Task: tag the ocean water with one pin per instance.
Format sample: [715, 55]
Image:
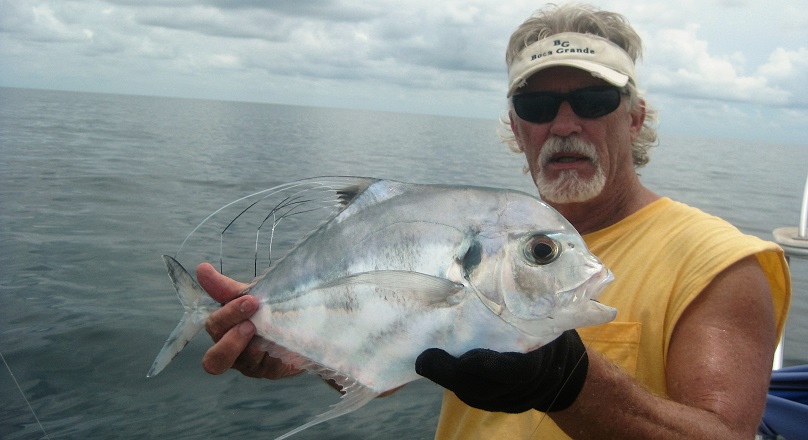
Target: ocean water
[94, 188]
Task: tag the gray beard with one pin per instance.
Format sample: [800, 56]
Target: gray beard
[569, 187]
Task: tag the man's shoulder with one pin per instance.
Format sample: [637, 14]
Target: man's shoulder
[679, 215]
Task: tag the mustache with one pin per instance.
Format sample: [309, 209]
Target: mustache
[557, 145]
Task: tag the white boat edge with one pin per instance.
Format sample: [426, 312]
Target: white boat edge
[794, 241]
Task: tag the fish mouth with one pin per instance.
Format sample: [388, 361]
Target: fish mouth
[597, 283]
[577, 307]
[590, 289]
[572, 308]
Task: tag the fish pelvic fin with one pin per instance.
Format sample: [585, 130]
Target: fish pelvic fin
[354, 394]
[198, 306]
[354, 398]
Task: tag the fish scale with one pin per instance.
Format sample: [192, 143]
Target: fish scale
[398, 268]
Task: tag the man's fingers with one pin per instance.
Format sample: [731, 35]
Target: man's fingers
[232, 332]
[224, 353]
[218, 286]
[221, 321]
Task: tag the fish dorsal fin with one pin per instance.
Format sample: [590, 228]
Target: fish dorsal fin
[348, 193]
[270, 222]
[355, 395]
[415, 286]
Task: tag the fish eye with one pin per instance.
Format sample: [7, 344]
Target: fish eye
[541, 249]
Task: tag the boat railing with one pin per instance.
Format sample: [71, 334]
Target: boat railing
[794, 241]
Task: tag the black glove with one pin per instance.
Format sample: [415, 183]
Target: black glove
[547, 379]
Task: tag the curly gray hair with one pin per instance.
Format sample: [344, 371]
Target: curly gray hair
[587, 19]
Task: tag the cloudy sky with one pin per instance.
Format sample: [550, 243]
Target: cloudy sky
[722, 68]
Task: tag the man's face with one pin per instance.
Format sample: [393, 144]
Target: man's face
[574, 159]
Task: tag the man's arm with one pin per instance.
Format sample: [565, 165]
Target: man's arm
[718, 370]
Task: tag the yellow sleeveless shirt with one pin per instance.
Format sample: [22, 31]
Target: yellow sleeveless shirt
[662, 257]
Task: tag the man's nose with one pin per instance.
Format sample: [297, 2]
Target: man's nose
[566, 121]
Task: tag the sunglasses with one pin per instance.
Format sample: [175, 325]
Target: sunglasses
[588, 103]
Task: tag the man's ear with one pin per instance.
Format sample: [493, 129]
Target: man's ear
[637, 119]
[515, 131]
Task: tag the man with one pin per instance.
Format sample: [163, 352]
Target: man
[700, 305]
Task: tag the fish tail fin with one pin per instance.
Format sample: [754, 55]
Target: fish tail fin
[352, 400]
[198, 306]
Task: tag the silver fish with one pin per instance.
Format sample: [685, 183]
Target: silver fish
[397, 268]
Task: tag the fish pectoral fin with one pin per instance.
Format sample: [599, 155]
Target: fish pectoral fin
[417, 286]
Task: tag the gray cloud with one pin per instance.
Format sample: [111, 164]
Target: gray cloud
[436, 57]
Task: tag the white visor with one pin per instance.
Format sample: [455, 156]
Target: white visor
[596, 55]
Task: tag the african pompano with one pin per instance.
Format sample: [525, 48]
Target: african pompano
[397, 268]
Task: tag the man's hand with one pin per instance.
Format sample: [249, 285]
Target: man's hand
[548, 378]
[233, 333]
